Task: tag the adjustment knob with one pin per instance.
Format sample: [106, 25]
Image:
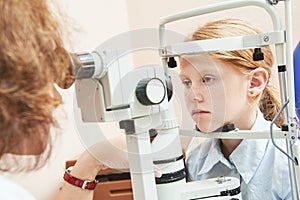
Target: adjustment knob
[150, 91]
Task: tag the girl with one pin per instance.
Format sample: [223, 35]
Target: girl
[230, 88]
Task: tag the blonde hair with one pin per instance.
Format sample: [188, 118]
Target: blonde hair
[269, 102]
[32, 59]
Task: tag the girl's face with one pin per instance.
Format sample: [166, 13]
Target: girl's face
[215, 93]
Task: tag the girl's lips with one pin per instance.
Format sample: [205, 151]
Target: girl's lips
[199, 111]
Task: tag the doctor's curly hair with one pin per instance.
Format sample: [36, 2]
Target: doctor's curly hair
[32, 59]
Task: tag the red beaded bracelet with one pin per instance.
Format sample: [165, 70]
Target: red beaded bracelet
[83, 184]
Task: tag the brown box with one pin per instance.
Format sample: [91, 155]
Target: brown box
[113, 185]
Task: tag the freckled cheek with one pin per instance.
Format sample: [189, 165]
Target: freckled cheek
[236, 99]
[188, 97]
[217, 99]
[188, 94]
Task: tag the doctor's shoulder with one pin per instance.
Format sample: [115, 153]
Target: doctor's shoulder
[10, 190]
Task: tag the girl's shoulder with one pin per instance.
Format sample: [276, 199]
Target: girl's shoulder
[201, 148]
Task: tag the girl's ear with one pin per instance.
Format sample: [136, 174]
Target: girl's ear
[257, 82]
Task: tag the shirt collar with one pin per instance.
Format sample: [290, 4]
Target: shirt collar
[248, 156]
[214, 155]
[250, 151]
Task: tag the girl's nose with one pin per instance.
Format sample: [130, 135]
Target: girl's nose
[197, 93]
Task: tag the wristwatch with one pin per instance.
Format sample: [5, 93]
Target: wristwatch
[83, 184]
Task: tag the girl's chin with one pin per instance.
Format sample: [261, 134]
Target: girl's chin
[207, 129]
[204, 129]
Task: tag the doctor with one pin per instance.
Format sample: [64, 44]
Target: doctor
[32, 60]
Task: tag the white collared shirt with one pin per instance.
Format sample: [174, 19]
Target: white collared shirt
[262, 169]
[11, 191]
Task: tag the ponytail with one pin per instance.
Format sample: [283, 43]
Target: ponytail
[270, 105]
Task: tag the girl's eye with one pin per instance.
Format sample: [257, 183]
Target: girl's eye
[207, 79]
[187, 83]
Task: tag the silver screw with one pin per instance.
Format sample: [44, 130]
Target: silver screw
[266, 38]
[221, 179]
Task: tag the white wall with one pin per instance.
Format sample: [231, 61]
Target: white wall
[145, 13]
[95, 21]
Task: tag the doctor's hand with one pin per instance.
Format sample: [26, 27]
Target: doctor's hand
[105, 154]
[157, 172]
